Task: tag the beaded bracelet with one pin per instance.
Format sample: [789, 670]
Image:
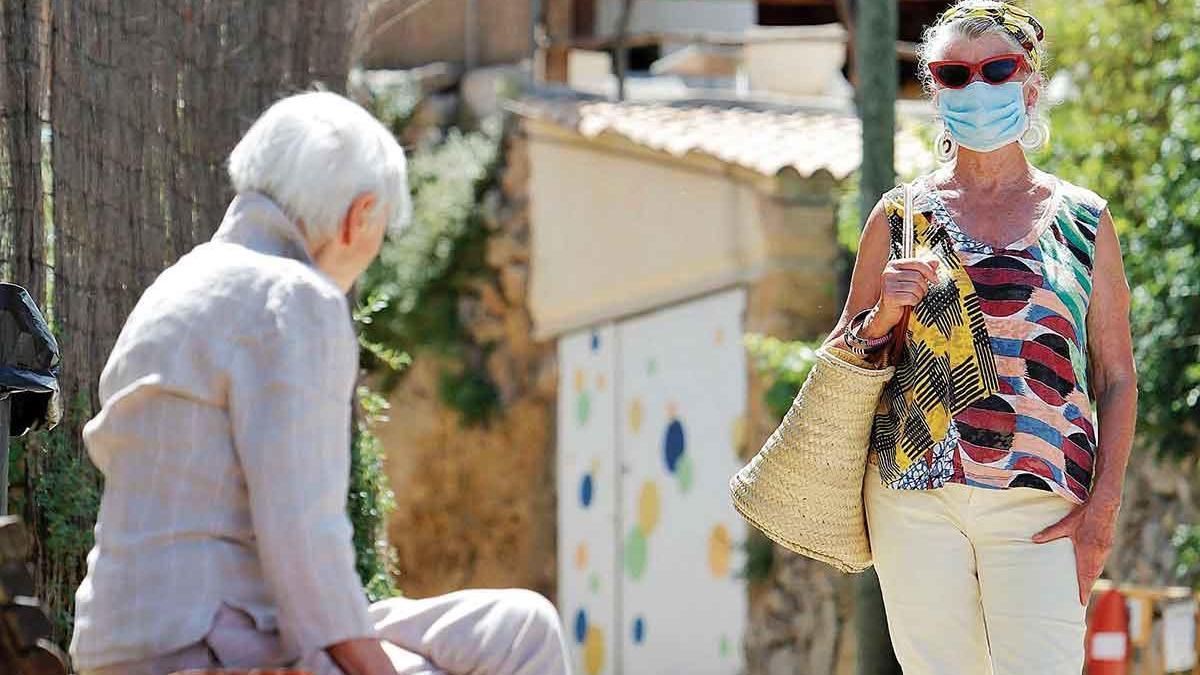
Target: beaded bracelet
[859, 345]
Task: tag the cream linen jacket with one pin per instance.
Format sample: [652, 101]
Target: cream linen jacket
[224, 440]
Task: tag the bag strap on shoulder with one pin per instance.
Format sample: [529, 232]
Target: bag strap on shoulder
[900, 331]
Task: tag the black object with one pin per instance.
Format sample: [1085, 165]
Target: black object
[29, 396]
[28, 363]
[25, 646]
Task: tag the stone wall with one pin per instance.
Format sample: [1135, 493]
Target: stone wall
[1159, 495]
[476, 504]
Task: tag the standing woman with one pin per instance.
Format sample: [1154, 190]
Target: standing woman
[998, 450]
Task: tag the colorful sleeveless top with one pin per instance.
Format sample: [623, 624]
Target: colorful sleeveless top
[991, 389]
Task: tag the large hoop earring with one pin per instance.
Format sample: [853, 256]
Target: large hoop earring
[1036, 135]
[945, 148]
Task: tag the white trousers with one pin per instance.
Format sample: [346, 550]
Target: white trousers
[966, 590]
[472, 632]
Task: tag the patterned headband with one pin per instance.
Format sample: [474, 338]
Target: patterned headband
[1018, 23]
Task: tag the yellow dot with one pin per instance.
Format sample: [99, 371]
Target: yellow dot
[719, 551]
[635, 414]
[600, 381]
[593, 651]
[579, 381]
[581, 555]
[720, 336]
[649, 507]
[739, 435]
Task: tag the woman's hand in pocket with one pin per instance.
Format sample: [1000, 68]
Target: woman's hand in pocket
[1091, 527]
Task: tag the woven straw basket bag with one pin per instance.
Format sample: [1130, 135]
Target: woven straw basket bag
[804, 487]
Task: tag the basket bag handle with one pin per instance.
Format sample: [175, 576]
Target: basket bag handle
[900, 331]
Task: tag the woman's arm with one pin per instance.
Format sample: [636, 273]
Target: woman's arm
[1111, 368]
[1114, 388]
[887, 285]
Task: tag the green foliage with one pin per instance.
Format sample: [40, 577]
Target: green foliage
[850, 218]
[393, 102]
[760, 557]
[1130, 130]
[409, 298]
[783, 365]
[1186, 541]
[370, 499]
[65, 496]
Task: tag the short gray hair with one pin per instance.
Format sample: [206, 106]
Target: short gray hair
[313, 153]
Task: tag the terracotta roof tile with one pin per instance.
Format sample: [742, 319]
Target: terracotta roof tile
[762, 140]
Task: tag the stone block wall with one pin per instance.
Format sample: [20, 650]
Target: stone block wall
[476, 504]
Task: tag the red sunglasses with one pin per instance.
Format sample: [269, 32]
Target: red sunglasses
[994, 70]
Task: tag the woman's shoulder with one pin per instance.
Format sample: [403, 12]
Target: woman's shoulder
[1080, 198]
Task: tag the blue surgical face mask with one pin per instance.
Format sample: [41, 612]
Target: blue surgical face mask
[983, 116]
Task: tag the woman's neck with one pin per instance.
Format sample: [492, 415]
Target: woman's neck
[993, 171]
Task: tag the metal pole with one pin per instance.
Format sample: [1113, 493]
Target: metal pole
[5, 416]
[535, 16]
[471, 36]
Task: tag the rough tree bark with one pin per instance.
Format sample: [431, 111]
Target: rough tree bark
[145, 100]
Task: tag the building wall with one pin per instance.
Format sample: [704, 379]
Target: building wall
[730, 16]
[437, 32]
[617, 232]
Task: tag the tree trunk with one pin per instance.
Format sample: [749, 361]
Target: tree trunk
[877, 25]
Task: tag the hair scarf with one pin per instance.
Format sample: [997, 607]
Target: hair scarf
[1018, 23]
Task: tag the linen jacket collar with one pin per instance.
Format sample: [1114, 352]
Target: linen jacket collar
[257, 222]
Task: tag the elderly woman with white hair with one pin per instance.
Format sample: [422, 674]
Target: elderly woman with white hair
[224, 440]
[992, 489]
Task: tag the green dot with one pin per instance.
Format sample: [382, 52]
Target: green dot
[686, 473]
[651, 366]
[594, 583]
[725, 648]
[635, 553]
[583, 407]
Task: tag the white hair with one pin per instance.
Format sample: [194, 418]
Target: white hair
[313, 153]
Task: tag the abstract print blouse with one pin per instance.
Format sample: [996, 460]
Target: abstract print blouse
[991, 390]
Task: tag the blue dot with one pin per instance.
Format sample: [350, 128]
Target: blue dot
[580, 626]
[595, 341]
[585, 490]
[639, 630]
[673, 445]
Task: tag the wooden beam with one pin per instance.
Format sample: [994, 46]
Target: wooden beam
[904, 49]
